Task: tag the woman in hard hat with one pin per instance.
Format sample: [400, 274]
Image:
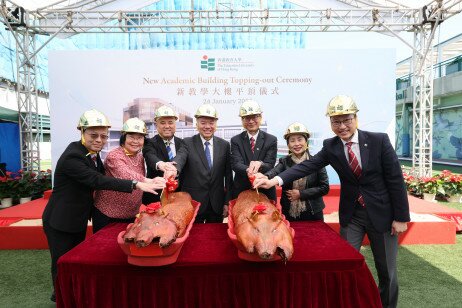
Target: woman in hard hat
[124, 162]
[301, 199]
[78, 173]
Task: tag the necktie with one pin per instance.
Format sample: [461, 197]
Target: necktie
[94, 159]
[355, 167]
[169, 150]
[207, 154]
[252, 143]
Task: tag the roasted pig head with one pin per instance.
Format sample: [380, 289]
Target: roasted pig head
[164, 222]
[260, 228]
[148, 227]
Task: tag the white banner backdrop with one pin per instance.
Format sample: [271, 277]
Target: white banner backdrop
[290, 85]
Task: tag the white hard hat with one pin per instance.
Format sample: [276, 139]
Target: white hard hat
[206, 110]
[164, 111]
[296, 128]
[93, 118]
[249, 107]
[134, 125]
[341, 104]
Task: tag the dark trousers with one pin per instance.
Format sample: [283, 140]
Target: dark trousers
[208, 215]
[59, 243]
[100, 220]
[384, 248]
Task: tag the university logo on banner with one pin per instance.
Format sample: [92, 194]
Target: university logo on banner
[208, 63]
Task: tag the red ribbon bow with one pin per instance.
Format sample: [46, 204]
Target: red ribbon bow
[150, 208]
[171, 184]
[259, 208]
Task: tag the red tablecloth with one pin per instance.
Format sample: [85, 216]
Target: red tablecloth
[324, 272]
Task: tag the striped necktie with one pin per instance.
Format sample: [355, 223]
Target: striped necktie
[169, 150]
[355, 167]
[252, 144]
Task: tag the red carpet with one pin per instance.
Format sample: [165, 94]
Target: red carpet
[29, 210]
[432, 223]
[28, 232]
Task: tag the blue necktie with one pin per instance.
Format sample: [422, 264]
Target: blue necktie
[169, 151]
[207, 154]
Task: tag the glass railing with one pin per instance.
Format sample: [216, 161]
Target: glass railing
[441, 69]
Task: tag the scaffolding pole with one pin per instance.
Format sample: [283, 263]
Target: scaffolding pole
[422, 111]
[363, 17]
[27, 100]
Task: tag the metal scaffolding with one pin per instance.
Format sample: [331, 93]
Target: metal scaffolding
[423, 92]
[390, 17]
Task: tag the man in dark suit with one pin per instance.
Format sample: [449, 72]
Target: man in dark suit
[252, 151]
[373, 197]
[160, 150]
[205, 165]
[79, 172]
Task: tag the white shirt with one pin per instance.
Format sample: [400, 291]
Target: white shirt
[354, 148]
[254, 136]
[172, 148]
[210, 146]
[172, 145]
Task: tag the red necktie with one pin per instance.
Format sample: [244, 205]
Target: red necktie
[355, 167]
[252, 143]
[94, 159]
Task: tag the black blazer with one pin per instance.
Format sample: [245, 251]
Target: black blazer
[75, 179]
[381, 183]
[266, 147]
[154, 151]
[204, 185]
[317, 185]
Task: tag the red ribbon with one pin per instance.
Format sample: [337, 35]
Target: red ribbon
[251, 178]
[171, 184]
[150, 208]
[259, 208]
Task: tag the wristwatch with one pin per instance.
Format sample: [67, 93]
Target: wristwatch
[134, 184]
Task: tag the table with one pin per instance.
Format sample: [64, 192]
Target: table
[325, 271]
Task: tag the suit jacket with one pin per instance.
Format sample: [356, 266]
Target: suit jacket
[204, 185]
[266, 147]
[155, 151]
[381, 182]
[75, 179]
[317, 185]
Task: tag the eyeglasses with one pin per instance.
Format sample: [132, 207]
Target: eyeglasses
[95, 136]
[346, 122]
[251, 117]
[135, 137]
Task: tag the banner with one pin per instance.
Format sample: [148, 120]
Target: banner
[290, 85]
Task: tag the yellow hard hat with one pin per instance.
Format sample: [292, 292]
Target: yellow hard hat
[134, 125]
[341, 104]
[296, 128]
[93, 118]
[249, 107]
[206, 110]
[164, 111]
